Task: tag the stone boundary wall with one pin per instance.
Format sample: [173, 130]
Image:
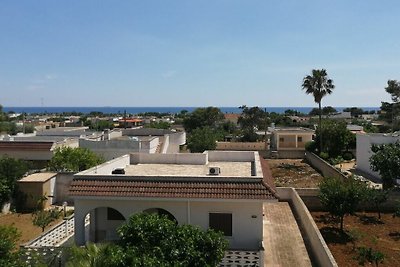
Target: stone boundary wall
[241, 146]
[313, 238]
[324, 167]
[311, 200]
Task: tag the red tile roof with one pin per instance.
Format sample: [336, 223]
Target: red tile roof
[25, 146]
[251, 188]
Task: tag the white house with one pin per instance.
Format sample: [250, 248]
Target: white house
[223, 190]
[364, 143]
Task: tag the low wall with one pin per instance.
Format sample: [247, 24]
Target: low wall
[311, 200]
[241, 146]
[313, 238]
[186, 158]
[165, 144]
[291, 154]
[238, 156]
[324, 167]
[109, 166]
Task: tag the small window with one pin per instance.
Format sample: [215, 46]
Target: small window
[281, 139]
[114, 215]
[221, 222]
[299, 139]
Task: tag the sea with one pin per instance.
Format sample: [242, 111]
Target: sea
[136, 110]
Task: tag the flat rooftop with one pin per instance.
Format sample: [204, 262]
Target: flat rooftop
[231, 169]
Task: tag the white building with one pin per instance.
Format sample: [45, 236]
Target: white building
[224, 190]
[364, 143]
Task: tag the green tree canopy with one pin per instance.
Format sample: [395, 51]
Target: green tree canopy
[152, 240]
[203, 117]
[9, 236]
[337, 137]
[386, 161]
[11, 170]
[73, 159]
[393, 88]
[252, 119]
[355, 112]
[341, 198]
[202, 139]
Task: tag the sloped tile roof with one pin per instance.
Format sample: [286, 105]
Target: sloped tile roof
[166, 188]
[25, 146]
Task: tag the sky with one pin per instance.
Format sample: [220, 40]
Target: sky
[196, 53]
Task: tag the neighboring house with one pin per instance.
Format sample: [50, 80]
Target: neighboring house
[355, 128]
[129, 123]
[298, 119]
[223, 190]
[232, 117]
[37, 186]
[38, 152]
[364, 143]
[290, 138]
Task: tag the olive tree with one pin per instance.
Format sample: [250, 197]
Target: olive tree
[340, 197]
[73, 159]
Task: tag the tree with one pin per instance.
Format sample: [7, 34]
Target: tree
[393, 88]
[377, 197]
[341, 198]
[250, 120]
[319, 85]
[203, 117]
[152, 240]
[386, 161]
[337, 138]
[355, 112]
[11, 170]
[177, 245]
[202, 139]
[42, 219]
[9, 236]
[73, 159]
[328, 110]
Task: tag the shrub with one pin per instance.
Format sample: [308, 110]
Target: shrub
[348, 156]
[311, 146]
[370, 255]
[324, 155]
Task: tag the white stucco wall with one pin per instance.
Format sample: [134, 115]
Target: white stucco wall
[364, 143]
[247, 217]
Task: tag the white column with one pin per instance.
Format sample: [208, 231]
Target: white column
[296, 140]
[79, 230]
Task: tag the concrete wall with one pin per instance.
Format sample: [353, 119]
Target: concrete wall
[231, 156]
[145, 132]
[364, 143]
[241, 146]
[247, 218]
[313, 238]
[107, 167]
[311, 200]
[28, 155]
[63, 181]
[324, 167]
[193, 158]
[111, 149]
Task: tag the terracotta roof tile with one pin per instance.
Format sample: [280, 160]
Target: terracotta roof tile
[25, 146]
[165, 188]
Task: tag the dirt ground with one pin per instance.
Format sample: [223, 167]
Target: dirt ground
[382, 235]
[23, 221]
[294, 173]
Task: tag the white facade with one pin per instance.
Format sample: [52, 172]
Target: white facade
[247, 217]
[364, 143]
[194, 206]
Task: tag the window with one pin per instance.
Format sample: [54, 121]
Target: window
[281, 139]
[221, 222]
[299, 139]
[114, 215]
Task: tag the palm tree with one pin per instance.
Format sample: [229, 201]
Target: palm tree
[319, 85]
